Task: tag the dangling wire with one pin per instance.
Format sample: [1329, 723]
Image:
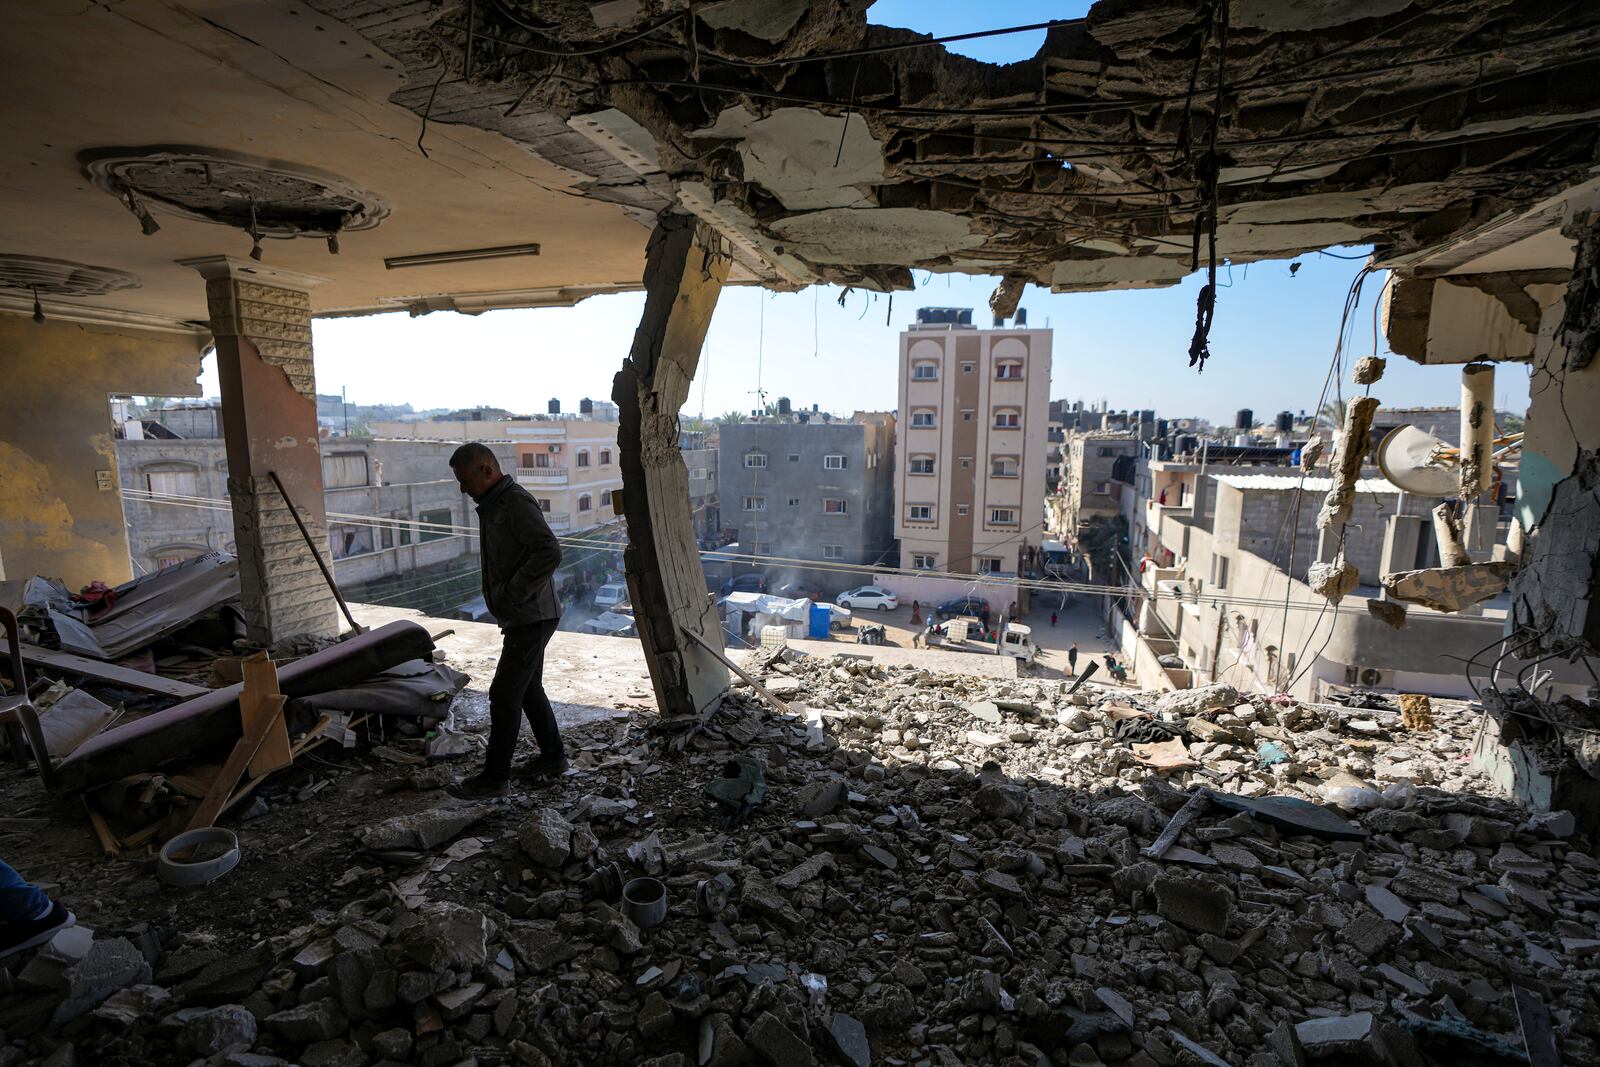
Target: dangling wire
[38, 308]
[255, 233]
[1207, 168]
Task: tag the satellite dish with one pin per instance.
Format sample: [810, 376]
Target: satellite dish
[1406, 458]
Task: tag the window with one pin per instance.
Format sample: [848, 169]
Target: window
[1219, 571]
[833, 463]
[1009, 371]
[966, 463]
[342, 470]
[966, 414]
[184, 481]
[1003, 516]
[757, 460]
[794, 457]
[925, 372]
[347, 540]
[920, 512]
[402, 527]
[1007, 418]
[921, 464]
[833, 552]
[794, 502]
[605, 457]
[583, 457]
[436, 517]
[541, 459]
[832, 505]
[1102, 488]
[922, 418]
[698, 473]
[967, 368]
[585, 503]
[1003, 466]
[544, 504]
[962, 509]
[1105, 450]
[921, 563]
[989, 565]
[755, 503]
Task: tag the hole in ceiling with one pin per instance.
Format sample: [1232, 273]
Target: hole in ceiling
[943, 18]
[61, 277]
[275, 199]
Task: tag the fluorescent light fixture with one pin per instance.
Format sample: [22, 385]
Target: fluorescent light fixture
[465, 255]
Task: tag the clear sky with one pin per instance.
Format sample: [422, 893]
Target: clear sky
[1271, 342]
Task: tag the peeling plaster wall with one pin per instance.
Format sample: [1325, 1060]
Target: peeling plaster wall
[55, 435]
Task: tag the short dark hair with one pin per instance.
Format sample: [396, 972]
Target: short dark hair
[474, 452]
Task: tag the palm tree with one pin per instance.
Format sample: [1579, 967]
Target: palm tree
[730, 418]
[1332, 415]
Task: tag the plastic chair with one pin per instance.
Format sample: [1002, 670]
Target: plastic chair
[18, 717]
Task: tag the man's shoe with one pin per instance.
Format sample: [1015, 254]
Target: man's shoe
[543, 768]
[18, 937]
[482, 785]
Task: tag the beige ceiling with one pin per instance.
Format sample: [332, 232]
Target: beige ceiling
[303, 90]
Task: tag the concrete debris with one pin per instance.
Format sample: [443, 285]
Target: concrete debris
[1368, 369]
[1450, 588]
[966, 902]
[423, 830]
[1387, 612]
[1345, 465]
[1333, 580]
[1416, 711]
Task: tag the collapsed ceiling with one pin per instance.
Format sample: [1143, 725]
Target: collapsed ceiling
[1141, 141]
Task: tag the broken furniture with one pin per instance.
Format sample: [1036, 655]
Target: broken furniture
[212, 722]
[17, 714]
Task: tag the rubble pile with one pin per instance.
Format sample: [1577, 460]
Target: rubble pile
[947, 870]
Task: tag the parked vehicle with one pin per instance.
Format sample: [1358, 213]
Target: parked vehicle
[1016, 640]
[961, 605]
[798, 591]
[744, 583]
[611, 594]
[868, 596]
[838, 618]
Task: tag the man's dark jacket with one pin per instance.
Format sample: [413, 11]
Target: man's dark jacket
[519, 554]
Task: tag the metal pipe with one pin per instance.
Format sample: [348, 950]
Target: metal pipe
[327, 574]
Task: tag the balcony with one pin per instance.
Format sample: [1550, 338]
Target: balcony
[542, 475]
[560, 521]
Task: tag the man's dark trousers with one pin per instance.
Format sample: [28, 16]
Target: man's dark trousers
[518, 690]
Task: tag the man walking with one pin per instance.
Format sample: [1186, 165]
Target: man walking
[1072, 659]
[519, 555]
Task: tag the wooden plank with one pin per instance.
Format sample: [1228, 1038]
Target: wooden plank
[261, 683]
[107, 672]
[311, 740]
[736, 669]
[108, 840]
[234, 769]
[1185, 815]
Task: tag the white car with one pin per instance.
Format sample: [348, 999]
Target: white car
[611, 594]
[838, 618]
[867, 596]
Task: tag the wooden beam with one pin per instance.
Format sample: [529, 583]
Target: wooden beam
[107, 672]
[234, 769]
[683, 275]
[260, 684]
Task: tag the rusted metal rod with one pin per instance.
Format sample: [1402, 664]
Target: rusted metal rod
[316, 555]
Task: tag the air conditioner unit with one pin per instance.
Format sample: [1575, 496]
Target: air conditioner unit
[1368, 677]
[555, 448]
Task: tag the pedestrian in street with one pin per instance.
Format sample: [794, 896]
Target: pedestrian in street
[916, 638]
[518, 556]
[916, 612]
[27, 916]
[1052, 620]
[1072, 658]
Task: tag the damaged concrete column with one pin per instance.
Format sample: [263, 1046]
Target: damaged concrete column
[261, 319]
[1477, 429]
[683, 276]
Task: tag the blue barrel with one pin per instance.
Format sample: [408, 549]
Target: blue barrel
[821, 619]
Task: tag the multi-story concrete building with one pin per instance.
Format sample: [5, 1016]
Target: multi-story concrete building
[700, 455]
[569, 464]
[809, 490]
[970, 461]
[401, 496]
[1088, 489]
